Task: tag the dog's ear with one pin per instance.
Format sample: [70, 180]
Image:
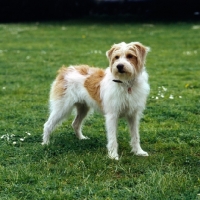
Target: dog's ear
[141, 52]
[109, 52]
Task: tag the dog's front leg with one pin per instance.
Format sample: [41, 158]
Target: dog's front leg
[133, 122]
[111, 126]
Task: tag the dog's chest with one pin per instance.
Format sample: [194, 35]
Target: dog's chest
[127, 101]
[123, 100]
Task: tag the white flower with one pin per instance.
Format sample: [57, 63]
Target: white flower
[157, 98]
[3, 136]
[171, 96]
[164, 88]
[28, 133]
[196, 27]
[180, 97]
[96, 52]
[7, 137]
[22, 139]
[14, 143]
[43, 52]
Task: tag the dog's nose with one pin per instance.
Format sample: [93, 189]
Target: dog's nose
[120, 68]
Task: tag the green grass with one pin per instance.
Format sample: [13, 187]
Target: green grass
[30, 55]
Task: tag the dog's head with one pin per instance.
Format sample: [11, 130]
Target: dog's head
[127, 60]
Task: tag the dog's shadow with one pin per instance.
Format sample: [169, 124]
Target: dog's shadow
[67, 142]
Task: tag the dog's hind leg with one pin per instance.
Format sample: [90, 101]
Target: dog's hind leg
[82, 111]
[59, 110]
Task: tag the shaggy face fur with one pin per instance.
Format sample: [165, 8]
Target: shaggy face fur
[119, 91]
[127, 60]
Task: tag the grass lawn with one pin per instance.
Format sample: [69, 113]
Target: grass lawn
[30, 55]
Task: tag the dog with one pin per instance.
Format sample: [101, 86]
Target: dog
[120, 90]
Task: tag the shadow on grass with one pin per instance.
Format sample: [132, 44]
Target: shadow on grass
[67, 143]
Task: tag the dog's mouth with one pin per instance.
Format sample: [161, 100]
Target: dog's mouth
[121, 71]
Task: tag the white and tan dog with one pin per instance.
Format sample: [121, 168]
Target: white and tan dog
[119, 91]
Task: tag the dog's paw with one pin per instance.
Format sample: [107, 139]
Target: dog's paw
[113, 155]
[140, 152]
[45, 143]
[45, 139]
[82, 137]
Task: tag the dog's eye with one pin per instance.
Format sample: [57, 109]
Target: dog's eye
[129, 56]
[116, 57]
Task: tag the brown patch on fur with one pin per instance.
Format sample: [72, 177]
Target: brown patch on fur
[83, 69]
[110, 54]
[92, 84]
[115, 47]
[133, 61]
[141, 52]
[131, 55]
[58, 87]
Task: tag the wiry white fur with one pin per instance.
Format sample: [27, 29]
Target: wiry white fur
[116, 102]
